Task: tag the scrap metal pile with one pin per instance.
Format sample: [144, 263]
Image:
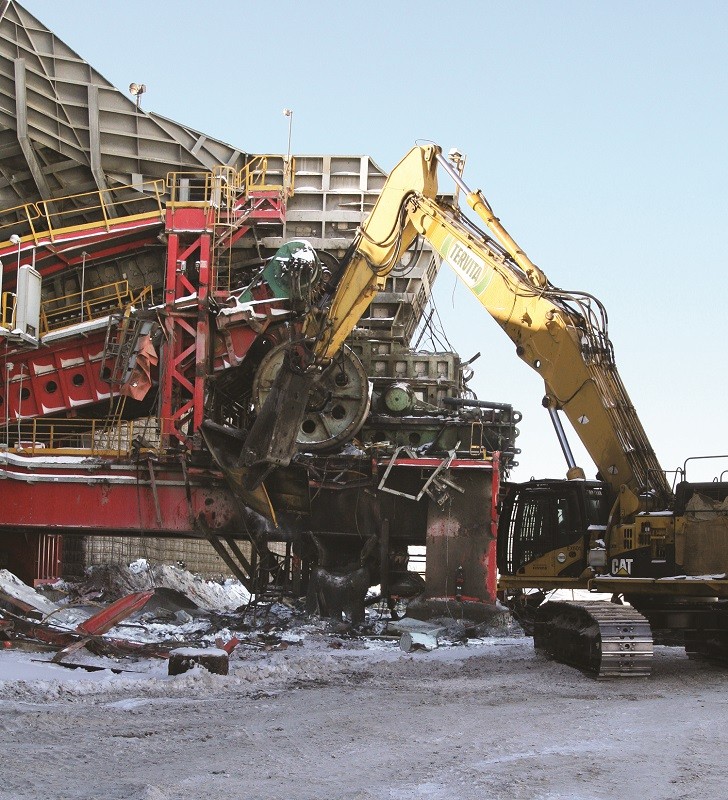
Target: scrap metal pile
[99, 624]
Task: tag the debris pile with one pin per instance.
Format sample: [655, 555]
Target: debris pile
[162, 611]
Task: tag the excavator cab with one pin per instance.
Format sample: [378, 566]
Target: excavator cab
[547, 527]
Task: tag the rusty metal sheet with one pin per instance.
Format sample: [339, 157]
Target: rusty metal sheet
[284, 490]
[105, 619]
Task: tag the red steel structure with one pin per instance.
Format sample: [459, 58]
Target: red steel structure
[66, 475]
[156, 250]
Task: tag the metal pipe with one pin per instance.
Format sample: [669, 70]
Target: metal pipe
[699, 458]
[8, 369]
[460, 402]
[83, 279]
[19, 412]
[480, 205]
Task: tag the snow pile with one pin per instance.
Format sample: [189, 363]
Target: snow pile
[114, 582]
[317, 660]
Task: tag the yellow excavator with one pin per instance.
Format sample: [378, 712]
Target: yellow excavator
[663, 549]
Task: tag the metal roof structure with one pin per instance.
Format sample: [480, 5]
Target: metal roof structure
[68, 137]
[65, 130]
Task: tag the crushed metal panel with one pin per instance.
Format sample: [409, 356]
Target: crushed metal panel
[23, 597]
[108, 617]
[284, 490]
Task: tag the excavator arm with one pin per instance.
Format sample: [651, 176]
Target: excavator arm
[561, 335]
[383, 237]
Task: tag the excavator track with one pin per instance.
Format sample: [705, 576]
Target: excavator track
[600, 638]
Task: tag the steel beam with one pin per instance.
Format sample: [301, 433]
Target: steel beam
[21, 114]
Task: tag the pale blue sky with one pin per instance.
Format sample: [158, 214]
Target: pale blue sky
[597, 131]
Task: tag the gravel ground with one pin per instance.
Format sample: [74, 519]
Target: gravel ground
[485, 720]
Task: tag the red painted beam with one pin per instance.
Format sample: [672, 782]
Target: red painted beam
[116, 502]
[112, 615]
[62, 376]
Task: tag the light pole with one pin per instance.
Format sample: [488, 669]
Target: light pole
[287, 112]
[8, 370]
[15, 239]
[83, 279]
[19, 412]
[287, 171]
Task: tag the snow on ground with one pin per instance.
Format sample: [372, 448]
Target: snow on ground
[305, 713]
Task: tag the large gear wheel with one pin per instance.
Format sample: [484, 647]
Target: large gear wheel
[337, 404]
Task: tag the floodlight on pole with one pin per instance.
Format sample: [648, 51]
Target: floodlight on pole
[137, 90]
[287, 112]
[287, 167]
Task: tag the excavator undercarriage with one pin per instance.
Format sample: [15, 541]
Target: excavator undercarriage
[601, 638]
[616, 639]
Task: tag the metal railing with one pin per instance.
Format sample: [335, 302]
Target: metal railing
[49, 559]
[62, 312]
[106, 202]
[254, 175]
[48, 217]
[18, 217]
[225, 187]
[234, 195]
[92, 303]
[90, 437]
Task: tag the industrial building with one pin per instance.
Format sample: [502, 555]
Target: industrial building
[148, 300]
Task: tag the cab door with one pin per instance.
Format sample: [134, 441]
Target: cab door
[541, 532]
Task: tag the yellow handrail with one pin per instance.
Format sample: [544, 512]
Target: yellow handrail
[28, 210]
[7, 308]
[93, 303]
[145, 294]
[85, 437]
[103, 201]
[223, 187]
[185, 188]
[189, 188]
[254, 176]
[56, 211]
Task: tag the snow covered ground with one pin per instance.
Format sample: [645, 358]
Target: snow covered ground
[309, 715]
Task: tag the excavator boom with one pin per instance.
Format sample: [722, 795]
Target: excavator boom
[383, 237]
[562, 335]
